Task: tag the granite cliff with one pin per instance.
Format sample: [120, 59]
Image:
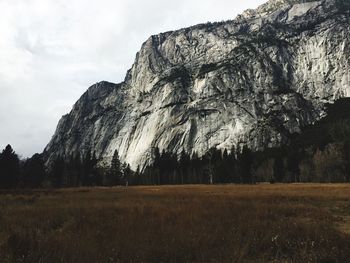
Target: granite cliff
[251, 81]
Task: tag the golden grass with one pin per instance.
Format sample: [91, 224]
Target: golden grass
[260, 223]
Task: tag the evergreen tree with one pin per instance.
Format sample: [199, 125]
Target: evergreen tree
[225, 174]
[184, 167]
[71, 175]
[86, 169]
[207, 175]
[347, 160]
[34, 171]
[157, 165]
[57, 172]
[127, 173]
[293, 165]
[245, 160]
[77, 170]
[196, 175]
[136, 180]
[115, 171]
[218, 167]
[278, 169]
[9, 168]
[232, 166]
[96, 171]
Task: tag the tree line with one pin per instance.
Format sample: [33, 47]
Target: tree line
[239, 166]
[215, 167]
[74, 171]
[167, 168]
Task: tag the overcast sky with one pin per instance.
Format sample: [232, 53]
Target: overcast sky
[51, 51]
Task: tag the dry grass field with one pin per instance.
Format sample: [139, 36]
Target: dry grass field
[260, 223]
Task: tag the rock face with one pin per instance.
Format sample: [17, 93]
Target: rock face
[251, 81]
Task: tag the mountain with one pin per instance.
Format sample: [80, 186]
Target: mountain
[253, 81]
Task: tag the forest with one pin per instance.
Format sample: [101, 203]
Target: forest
[320, 153]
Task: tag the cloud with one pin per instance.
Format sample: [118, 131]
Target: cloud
[51, 51]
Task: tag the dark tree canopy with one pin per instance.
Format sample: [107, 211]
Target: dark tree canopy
[115, 174]
[9, 168]
[33, 173]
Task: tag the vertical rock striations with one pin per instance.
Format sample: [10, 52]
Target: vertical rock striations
[251, 81]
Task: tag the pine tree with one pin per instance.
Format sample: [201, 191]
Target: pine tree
[97, 177]
[9, 168]
[115, 172]
[57, 172]
[245, 160]
[157, 165]
[196, 176]
[206, 161]
[225, 176]
[184, 165]
[86, 169]
[136, 177]
[217, 164]
[278, 169]
[77, 170]
[34, 171]
[347, 160]
[127, 173]
[71, 177]
[233, 166]
[293, 165]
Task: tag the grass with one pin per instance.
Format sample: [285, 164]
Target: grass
[261, 223]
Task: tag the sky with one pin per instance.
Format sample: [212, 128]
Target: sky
[51, 51]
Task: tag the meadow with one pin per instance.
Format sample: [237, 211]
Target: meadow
[220, 223]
